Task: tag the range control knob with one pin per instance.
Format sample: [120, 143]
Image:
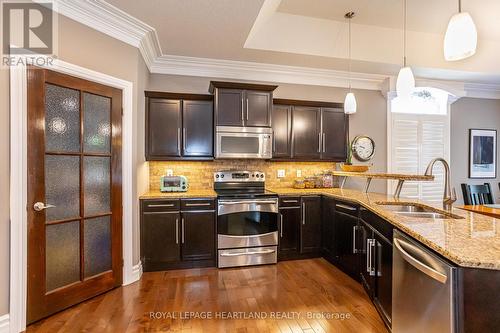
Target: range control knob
[222, 176]
[217, 176]
[261, 175]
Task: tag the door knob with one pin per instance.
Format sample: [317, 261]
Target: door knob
[39, 206]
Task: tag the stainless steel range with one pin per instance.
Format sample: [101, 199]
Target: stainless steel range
[247, 219]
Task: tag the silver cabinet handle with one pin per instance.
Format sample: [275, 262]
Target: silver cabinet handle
[354, 228]
[438, 276]
[246, 253]
[303, 213]
[324, 142]
[197, 204]
[369, 250]
[346, 207]
[372, 259]
[242, 109]
[368, 255]
[160, 205]
[247, 108]
[184, 139]
[176, 231]
[379, 258]
[39, 206]
[182, 230]
[319, 142]
[290, 201]
[281, 225]
[179, 140]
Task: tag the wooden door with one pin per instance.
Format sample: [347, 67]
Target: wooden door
[229, 107]
[306, 131]
[163, 128]
[258, 108]
[198, 235]
[289, 232]
[334, 134]
[74, 191]
[310, 234]
[282, 131]
[160, 239]
[198, 133]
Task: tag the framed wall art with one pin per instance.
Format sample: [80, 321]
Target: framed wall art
[482, 153]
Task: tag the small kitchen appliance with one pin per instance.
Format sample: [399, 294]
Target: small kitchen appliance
[173, 184]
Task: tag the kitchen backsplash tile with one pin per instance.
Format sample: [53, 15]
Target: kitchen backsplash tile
[200, 174]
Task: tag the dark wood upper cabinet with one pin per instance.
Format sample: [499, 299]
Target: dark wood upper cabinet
[179, 126]
[335, 125]
[282, 131]
[197, 119]
[306, 132]
[229, 107]
[163, 128]
[310, 236]
[242, 104]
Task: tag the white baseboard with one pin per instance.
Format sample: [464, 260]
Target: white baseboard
[135, 276]
[4, 324]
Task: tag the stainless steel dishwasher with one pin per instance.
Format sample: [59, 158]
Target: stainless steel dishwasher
[423, 298]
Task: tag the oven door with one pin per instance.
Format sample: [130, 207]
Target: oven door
[247, 223]
[242, 143]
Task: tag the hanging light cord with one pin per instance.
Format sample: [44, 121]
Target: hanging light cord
[350, 54]
[459, 6]
[404, 33]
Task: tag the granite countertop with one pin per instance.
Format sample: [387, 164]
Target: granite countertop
[190, 193]
[470, 241]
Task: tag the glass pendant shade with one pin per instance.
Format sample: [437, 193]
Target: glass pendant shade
[405, 83]
[350, 104]
[460, 41]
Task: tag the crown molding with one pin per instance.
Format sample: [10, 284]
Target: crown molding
[112, 21]
[230, 69]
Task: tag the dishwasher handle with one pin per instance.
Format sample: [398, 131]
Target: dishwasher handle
[429, 271]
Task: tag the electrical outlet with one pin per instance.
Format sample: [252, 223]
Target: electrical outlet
[281, 173]
[170, 172]
[299, 173]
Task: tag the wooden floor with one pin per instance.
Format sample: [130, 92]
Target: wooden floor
[292, 296]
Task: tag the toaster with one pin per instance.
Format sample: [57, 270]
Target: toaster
[173, 184]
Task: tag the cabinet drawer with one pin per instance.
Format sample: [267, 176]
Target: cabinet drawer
[161, 205]
[198, 204]
[289, 201]
[384, 227]
[347, 208]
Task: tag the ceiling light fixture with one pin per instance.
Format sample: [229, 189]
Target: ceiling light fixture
[350, 104]
[405, 82]
[460, 40]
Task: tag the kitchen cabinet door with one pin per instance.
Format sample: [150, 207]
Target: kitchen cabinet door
[160, 241]
[383, 276]
[198, 235]
[229, 107]
[310, 234]
[282, 131]
[334, 134]
[163, 128]
[306, 127]
[347, 240]
[258, 108]
[366, 258]
[328, 237]
[289, 232]
[197, 131]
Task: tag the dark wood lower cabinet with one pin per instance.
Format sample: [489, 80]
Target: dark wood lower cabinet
[328, 223]
[310, 233]
[289, 240]
[347, 238]
[171, 238]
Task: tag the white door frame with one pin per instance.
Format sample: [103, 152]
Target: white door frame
[18, 181]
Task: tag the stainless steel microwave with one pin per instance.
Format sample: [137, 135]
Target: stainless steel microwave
[243, 142]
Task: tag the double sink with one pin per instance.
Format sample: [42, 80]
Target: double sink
[417, 210]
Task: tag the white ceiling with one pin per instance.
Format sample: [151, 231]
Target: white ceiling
[220, 29]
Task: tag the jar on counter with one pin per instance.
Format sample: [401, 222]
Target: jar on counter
[310, 182]
[299, 183]
[327, 180]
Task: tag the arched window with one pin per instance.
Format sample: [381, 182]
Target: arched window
[418, 131]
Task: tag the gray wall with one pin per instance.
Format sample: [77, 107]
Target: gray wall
[371, 118]
[467, 113]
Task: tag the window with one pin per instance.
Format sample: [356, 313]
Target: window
[419, 130]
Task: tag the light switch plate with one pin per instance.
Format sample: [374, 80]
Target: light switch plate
[299, 173]
[281, 173]
[170, 172]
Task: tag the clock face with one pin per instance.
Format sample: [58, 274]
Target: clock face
[363, 148]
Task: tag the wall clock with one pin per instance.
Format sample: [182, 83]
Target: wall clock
[363, 148]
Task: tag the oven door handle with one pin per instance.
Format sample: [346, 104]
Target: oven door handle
[246, 253]
[247, 202]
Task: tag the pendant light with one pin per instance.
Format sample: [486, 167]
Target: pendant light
[405, 82]
[350, 104]
[460, 40]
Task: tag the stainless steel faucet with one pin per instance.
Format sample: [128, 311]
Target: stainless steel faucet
[449, 196]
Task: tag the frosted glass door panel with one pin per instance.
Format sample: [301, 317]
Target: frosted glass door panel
[97, 123]
[97, 238]
[97, 186]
